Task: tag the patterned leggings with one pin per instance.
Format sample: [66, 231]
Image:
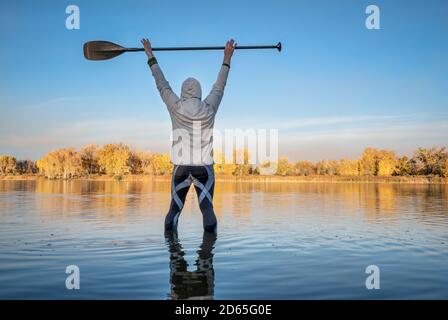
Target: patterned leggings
[203, 178]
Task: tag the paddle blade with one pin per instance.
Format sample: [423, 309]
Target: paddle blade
[102, 50]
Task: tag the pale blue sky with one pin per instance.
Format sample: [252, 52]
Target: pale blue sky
[335, 89]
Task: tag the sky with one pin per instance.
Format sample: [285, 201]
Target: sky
[335, 89]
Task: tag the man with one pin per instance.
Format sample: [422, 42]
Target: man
[192, 122]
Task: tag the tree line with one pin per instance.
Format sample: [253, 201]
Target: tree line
[119, 159]
[373, 162]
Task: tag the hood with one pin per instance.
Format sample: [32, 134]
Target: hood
[191, 94]
[191, 88]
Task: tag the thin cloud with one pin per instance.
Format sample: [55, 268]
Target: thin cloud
[59, 101]
[433, 130]
[95, 131]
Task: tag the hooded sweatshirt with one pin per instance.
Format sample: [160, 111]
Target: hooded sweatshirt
[192, 118]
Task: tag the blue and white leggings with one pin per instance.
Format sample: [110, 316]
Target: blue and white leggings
[203, 178]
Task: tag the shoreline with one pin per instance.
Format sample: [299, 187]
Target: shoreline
[273, 179]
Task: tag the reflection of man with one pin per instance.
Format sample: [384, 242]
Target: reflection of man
[197, 284]
[194, 116]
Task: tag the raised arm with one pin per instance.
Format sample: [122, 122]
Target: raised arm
[215, 95]
[167, 94]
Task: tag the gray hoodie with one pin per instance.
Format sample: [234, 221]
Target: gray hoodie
[192, 118]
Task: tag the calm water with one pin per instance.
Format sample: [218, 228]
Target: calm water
[275, 241]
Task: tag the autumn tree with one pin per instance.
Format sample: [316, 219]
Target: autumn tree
[445, 168]
[89, 159]
[238, 165]
[284, 167]
[374, 162]
[348, 167]
[72, 165]
[304, 168]
[135, 162]
[429, 161]
[368, 164]
[241, 160]
[7, 165]
[145, 162]
[386, 163]
[26, 167]
[114, 159]
[327, 167]
[150, 163]
[62, 163]
[403, 167]
[161, 164]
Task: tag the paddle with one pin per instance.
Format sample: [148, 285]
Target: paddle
[104, 50]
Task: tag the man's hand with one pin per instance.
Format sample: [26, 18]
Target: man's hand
[148, 49]
[228, 51]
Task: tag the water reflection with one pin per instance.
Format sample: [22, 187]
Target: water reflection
[329, 233]
[239, 199]
[196, 284]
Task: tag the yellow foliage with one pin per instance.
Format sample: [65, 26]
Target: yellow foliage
[162, 164]
[113, 159]
[387, 162]
[348, 167]
[376, 162]
[7, 165]
[62, 163]
[284, 168]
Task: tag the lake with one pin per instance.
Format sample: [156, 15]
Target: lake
[275, 241]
